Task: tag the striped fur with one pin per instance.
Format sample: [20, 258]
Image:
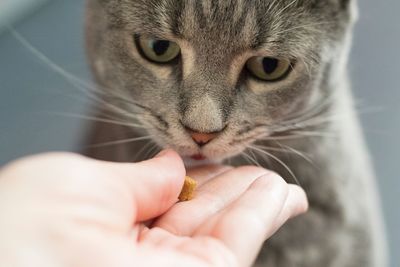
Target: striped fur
[208, 89]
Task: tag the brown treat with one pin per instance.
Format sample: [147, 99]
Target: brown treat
[188, 189]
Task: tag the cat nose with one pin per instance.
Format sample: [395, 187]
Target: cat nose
[202, 139]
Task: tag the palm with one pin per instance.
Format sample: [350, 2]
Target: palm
[174, 250]
[196, 228]
[83, 215]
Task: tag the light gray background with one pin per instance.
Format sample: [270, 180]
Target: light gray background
[12, 10]
[32, 95]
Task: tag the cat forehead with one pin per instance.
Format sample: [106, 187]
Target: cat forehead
[225, 5]
[221, 14]
[235, 24]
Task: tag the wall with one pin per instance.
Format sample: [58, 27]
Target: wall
[12, 10]
[32, 95]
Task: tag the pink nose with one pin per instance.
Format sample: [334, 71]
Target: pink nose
[202, 138]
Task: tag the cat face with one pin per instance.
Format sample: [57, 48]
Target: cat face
[208, 78]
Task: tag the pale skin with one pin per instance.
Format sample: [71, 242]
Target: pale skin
[67, 210]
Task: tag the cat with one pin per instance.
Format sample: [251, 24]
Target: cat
[261, 82]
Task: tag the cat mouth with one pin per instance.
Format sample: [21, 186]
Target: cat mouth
[199, 160]
[198, 157]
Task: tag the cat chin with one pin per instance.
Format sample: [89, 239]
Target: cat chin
[211, 158]
[191, 163]
[213, 154]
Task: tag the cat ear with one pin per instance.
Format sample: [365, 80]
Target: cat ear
[352, 7]
[345, 3]
[348, 6]
[342, 4]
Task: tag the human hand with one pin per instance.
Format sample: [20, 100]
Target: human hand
[67, 210]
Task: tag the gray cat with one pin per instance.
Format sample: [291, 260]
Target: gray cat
[260, 81]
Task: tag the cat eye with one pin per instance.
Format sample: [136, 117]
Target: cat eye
[157, 50]
[268, 68]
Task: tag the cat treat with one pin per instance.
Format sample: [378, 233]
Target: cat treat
[188, 190]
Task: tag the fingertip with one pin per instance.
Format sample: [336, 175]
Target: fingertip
[167, 173]
[298, 198]
[171, 161]
[154, 184]
[169, 154]
[166, 153]
[277, 186]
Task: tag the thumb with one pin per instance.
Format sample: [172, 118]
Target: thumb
[155, 184]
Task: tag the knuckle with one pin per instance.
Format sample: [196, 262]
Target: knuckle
[303, 204]
[224, 168]
[277, 180]
[253, 170]
[275, 183]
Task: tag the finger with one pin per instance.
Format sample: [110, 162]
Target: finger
[296, 204]
[185, 217]
[249, 221]
[154, 184]
[205, 173]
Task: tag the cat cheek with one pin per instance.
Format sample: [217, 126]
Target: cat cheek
[260, 88]
[100, 67]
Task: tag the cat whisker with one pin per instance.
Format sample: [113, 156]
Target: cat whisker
[99, 119]
[280, 12]
[314, 122]
[119, 142]
[312, 117]
[144, 148]
[47, 61]
[86, 88]
[152, 151]
[318, 120]
[250, 159]
[277, 160]
[294, 136]
[301, 154]
[310, 27]
[229, 161]
[315, 134]
[270, 148]
[307, 67]
[311, 112]
[287, 149]
[272, 5]
[243, 158]
[254, 157]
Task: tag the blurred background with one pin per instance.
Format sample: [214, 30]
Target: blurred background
[37, 105]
